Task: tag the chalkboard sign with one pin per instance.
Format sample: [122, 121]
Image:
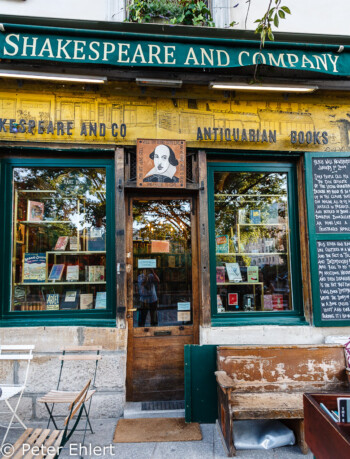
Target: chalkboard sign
[331, 193]
[334, 278]
[328, 201]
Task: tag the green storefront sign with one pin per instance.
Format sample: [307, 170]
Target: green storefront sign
[177, 54]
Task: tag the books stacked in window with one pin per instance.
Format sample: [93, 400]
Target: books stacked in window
[61, 243]
[95, 273]
[86, 301]
[233, 272]
[220, 274]
[35, 211]
[222, 244]
[56, 272]
[73, 243]
[277, 302]
[72, 273]
[70, 300]
[273, 302]
[248, 302]
[96, 240]
[220, 306]
[34, 267]
[255, 216]
[52, 302]
[253, 274]
[32, 306]
[101, 298]
[232, 302]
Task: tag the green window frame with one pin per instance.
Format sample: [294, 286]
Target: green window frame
[288, 317]
[100, 317]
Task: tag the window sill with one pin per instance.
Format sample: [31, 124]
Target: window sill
[54, 322]
[245, 321]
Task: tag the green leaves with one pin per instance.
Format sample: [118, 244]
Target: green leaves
[271, 18]
[187, 12]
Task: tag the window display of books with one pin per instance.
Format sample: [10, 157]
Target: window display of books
[251, 242]
[34, 267]
[56, 272]
[59, 245]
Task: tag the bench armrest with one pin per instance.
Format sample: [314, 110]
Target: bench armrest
[224, 380]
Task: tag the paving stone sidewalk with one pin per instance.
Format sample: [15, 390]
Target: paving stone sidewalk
[99, 445]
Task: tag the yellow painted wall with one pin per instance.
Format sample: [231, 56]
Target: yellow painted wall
[165, 114]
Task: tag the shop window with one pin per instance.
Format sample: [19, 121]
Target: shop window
[61, 219]
[255, 261]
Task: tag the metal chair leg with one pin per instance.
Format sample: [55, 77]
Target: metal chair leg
[51, 418]
[14, 415]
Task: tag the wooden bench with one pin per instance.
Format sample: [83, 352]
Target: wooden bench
[268, 382]
[46, 443]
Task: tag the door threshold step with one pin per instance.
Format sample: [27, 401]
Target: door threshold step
[162, 409]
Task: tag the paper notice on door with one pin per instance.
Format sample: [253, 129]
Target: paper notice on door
[147, 263]
[160, 247]
[186, 306]
[183, 316]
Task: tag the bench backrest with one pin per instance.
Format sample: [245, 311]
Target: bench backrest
[287, 368]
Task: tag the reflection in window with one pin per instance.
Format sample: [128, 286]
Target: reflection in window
[162, 263]
[252, 242]
[59, 239]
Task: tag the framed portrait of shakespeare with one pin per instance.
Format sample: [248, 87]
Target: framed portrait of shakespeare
[161, 163]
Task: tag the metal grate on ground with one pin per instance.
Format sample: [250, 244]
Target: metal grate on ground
[163, 405]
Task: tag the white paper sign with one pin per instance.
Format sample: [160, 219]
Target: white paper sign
[184, 306]
[147, 263]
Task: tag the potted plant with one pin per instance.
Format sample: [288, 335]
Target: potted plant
[153, 11]
[186, 12]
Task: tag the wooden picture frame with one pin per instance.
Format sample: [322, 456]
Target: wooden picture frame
[21, 230]
[161, 163]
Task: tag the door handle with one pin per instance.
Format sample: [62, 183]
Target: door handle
[132, 309]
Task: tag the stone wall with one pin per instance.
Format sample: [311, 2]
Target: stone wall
[269, 334]
[109, 399]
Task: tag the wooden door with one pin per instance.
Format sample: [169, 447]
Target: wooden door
[162, 296]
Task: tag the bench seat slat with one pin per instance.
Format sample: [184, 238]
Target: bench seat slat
[267, 406]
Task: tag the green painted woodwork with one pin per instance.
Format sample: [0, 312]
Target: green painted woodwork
[314, 237]
[103, 318]
[44, 44]
[293, 317]
[200, 384]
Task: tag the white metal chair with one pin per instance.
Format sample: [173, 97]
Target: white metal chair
[14, 353]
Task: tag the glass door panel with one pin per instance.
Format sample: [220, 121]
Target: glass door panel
[162, 263]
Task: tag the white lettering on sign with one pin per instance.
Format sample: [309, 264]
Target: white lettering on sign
[28, 45]
[108, 48]
[138, 55]
[290, 60]
[12, 44]
[78, 50]
[92, 46]
[46, 48]
[181, 54]
[62, 48]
